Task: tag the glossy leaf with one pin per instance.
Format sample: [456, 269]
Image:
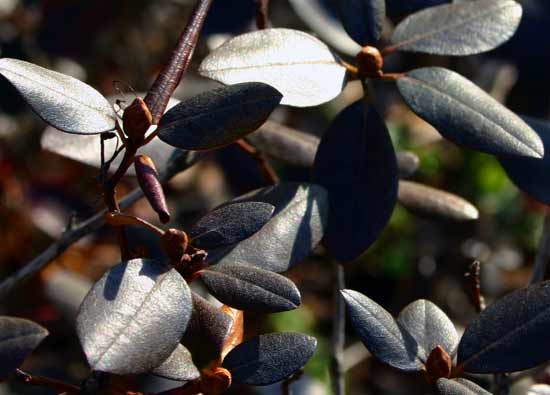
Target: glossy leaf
[122, 315]
[466, 115]
[218, 117]
[435, 203]
[429, 326]
[288, 145]
[328, 28]
[179, 366]
[207, 331]
[269, 358]
[230, 224]
[60, 100]
[460, 28]
[381, 334]
[363, 19]
[458, 386]
[532, 175]
[407, 163]
[297, 226]
[18, 339]
[251, 289]
[509, 335]
[297, 64]
[356, 163]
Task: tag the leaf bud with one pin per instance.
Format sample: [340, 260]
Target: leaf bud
[136, 120]
[369, 62]
[174, 243]
[439, 364]
[215, 381]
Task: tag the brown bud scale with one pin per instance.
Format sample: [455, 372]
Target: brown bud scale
[174, 243]
[369, 63]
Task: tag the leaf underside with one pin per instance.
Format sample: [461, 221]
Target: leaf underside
[461, 28]
[458, 386]
[60, 100]
[297, 64]
[466, 115]
[363, 19]
[179, 366]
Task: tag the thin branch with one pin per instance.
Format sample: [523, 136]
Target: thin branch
[285, 385]
[338, 334]
[474, 285]
[262, 8]
[540, 268]
[263, 164]
[172, 73]
[40, 381]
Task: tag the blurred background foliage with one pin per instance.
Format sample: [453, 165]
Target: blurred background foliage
[128, 40]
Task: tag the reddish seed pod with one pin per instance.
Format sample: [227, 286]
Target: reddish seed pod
[148, 179]
[174, 243]
[136, 120]
[438, 365]
[369, 62]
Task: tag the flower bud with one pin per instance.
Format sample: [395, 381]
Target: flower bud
[136, 120]
[149, 182]
[174, 243]
[439, 364]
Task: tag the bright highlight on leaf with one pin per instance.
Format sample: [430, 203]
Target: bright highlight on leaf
[297, 64]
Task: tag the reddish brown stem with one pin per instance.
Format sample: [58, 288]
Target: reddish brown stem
[39, 381]
[172, 73]
[474, 285]
[262, 7]
[263, 164]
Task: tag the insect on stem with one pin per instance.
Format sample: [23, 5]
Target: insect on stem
[172, 73]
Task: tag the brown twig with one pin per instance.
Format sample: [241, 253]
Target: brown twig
[263, 164]
[172, 73]
[40, 381]
[474, 286]
[262, 8]
[338, 334]
[285, 385]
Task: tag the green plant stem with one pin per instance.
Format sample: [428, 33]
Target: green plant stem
[338, 334]
[540, 267]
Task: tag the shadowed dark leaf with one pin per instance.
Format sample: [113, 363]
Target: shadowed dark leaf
[532, 175]
[398, 8]
[463, 113]
[18, 338]
[363, 19]
[356, 163]
[285, 144]
[121, 317]
[461, 28]
[297, 64]
[407, 163]
[297, 226]
[325, 25]
[381, 334]
[269, 358]
[509, 335]
[218, 117]
[429, 326]
[179, 366]
[60, 100]
[207, 330]
[230, 224]
[434, 203]
[251, 289]
[458, 386]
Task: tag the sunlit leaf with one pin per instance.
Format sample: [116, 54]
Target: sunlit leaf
[509, 335]
[539, 389]
[218, 117]
[356, 163]
[121, 317]
[381, 334]
[297, 64]
[429, 326]
[297, 226]
[18, 338]
[458, 386]
[60, 100]
[460, 28]
[251, 289]
[435, 203]
[466, 115]
[269, 358]
[532, 175]
[230, 224]
[363, 19]
[179, 366]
